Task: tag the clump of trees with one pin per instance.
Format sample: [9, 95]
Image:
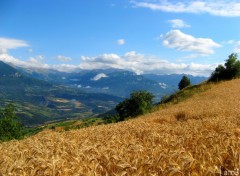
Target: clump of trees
[10, 127]
[185, 81]
[230, 70]
[140, 102]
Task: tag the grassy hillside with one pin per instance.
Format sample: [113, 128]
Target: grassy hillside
[198, 136]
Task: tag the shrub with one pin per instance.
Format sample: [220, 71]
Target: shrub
[10, 127]
[181, 116]
[230, 70]
[185, 81]
[110, 119]
[140, 102]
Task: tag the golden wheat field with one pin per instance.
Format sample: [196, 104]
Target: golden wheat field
[200, 136]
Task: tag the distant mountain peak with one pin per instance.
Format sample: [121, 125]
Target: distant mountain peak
[99, 76]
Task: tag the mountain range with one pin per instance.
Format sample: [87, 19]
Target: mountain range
[114, 81]
[43, 95]
[38, 101]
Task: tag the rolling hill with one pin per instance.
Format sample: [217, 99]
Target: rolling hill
[198, 136]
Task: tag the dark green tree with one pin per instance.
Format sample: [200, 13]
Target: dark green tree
[10, 127]
[140, 102]
[185, 81]
[232, 66]
[218, 74]
[230, 70]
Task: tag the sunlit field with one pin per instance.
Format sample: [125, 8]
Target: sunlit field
[199, 136]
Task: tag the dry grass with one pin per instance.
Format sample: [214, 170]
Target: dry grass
[195, 137]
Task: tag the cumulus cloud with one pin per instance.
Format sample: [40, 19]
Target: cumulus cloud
[64, 58]
[134, 56]
[121, 42]
[32, 62]
[184, 42]
[140, 63]
[37, 59]
[7, 43]
[131, 61]
[105, 58]
[220, 8]
[3, 51]
[178, 23]
[10, 59]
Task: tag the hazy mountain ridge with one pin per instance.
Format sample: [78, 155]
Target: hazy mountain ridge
[172, 80]
[116, 82]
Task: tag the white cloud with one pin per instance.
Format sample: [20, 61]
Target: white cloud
[35, 62]
[134, 56]
[6, 43]
[140, 63]
[65, 67]
[184, 42]
[3, 51]
[121, 42]
[10, 59]
[105, 58]
[218, 8]
[64, 58]
[99, 76]
[178, 23]
[132, 61]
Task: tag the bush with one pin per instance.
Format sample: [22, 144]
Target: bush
[10, 127]
[185, 81]
[181, 116]
[140, 102]
[110, 119]
[230, 70]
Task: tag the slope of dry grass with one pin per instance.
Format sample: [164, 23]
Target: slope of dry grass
[200, 136]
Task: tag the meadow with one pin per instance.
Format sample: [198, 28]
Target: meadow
[197, 136]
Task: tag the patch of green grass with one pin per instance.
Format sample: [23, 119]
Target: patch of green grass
[185, 93]
[91, 121]
[76, 124]
[65, 123]
[32, 131]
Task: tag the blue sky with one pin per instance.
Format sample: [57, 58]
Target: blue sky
[144, 36]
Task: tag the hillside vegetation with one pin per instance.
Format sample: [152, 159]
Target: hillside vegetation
[198, 136]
